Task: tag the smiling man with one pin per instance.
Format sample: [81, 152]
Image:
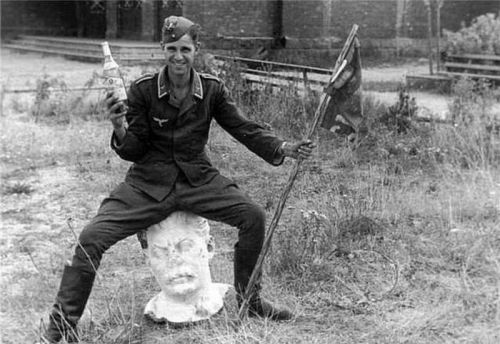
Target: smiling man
[168, 118]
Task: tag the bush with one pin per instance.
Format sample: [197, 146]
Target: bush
[474, 139]
[482, 37]
[399, 117]
[17, 188]
[55, 102]
[282, 109]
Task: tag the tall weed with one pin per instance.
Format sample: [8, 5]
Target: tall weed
[282, 109]
[56, 103]
[474, 139]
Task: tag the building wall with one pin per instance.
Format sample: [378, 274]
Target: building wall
[376, 18]
[234, 17]
[304, 19]
[37, 17]
[333, 18]
[129, 22]
[306, 24]
[323, 24]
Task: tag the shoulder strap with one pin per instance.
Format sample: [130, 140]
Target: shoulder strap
[210, 76]
[144, 77]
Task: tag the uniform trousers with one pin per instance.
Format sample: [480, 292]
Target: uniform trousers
[128, 211]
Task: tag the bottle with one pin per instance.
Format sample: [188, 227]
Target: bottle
[112, 76]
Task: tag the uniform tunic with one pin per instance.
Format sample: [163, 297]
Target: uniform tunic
[171, 171]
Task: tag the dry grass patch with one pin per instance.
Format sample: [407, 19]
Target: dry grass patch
[392, 239]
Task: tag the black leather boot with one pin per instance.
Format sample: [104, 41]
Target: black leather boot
[70, 303]
[244, 262]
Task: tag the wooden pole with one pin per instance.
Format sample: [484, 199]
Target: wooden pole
[429, 34]
[438, 33]
[318, 116]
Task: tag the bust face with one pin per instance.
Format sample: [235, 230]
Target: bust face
[179, 255]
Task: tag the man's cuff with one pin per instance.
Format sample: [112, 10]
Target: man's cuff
[114, 142]
[279, 156]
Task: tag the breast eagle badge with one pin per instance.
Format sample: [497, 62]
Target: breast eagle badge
[160, 121]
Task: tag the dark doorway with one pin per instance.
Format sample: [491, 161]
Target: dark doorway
[129, 19]
[90, 19]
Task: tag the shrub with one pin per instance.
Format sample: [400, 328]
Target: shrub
[17, 188]
[303, 244]
[474, 139]
[399, 116]
[46, 104]
[55, 102]
[282, 109]
[482, 37]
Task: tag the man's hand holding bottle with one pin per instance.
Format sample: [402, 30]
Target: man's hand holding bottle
[116, 110]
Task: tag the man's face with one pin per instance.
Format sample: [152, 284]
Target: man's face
[180, 55]
[179, 259]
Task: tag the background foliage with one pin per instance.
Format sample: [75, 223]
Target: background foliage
[481, 37]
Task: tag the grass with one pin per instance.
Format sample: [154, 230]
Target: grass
[393, 239]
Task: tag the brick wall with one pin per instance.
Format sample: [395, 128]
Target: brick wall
[324, 23]
[376, 18]
[307, 24]
[234, 17]
[305, 18]
[313, 18]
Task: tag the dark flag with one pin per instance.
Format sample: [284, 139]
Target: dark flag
[344, 113]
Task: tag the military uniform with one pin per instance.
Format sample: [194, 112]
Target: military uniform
[164, 140]
[171, 171]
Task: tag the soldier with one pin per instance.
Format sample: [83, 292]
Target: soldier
[168, 116]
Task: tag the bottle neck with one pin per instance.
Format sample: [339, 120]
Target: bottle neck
[105, 49]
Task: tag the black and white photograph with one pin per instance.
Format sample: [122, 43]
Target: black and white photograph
[250, 171]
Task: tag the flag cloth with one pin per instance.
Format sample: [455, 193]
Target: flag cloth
[344, 113]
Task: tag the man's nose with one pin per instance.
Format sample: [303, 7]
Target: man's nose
[178, 55]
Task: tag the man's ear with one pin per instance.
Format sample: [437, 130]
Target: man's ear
[211, 246]
[197, 46]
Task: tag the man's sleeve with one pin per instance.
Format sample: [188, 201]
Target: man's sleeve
[135, 143]
[255, 137]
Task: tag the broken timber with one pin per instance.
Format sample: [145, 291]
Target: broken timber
[279, 74]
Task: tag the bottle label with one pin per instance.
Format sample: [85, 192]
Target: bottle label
[117, 86]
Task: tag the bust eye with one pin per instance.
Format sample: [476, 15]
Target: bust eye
[185, 245]
[159, 252]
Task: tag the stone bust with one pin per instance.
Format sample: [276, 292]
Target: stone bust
[179, 250]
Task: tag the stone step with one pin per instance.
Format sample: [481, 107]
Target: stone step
[124, 52]
[67, 54]
[94, 44]
[117, 50]
[95, 50]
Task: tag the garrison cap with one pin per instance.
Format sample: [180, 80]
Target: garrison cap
[175, 27]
